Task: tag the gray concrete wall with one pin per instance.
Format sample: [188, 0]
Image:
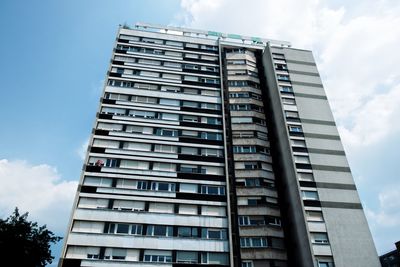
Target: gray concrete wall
[347, 227]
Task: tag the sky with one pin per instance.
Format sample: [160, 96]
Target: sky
[55, 54]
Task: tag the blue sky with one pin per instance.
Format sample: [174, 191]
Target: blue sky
[54, 57]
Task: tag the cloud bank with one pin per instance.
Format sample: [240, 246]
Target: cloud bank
[37, 189]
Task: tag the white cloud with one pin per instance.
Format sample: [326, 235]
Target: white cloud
[37, 189]
[384, 220]
[388, 212]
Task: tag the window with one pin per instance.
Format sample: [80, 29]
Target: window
[211, 136]
[214, 258]
[159, 230]
[170, 117]
[291, 114]
[309, 195]
[171, 76]
[190, 133]
[149, 74]
[305, 176]
[247, 264]
[214, 121]
[283, 77]
[191, 78]
[171, 89]
[191, 67]
[167, 132]
[152, 41]
[319, 238]
[251, 165]
[111, 163]
[252, 201]
[187, 232]
[173, 43]
[113, 111]
[188, 168]
[210, 106]
[142, 185]
[142, 114]
[151, 256]
[109, 126]
[241, 119]
[286, 89]
[244, 220]
[296, 129]
[159, 186]
[211, 152]
[288, 101]
[187, 257]
[190, 118]
[191, 55]
[165, 148]
[144, 99]
[115, 254]
[298, 143]
[213, 233]
[190, 104]
[149, 62]
[172, 65]
[132, 164]
[325, 263]
[120, 228]
[173, 54]
[244, 149]
[302, 159]
[146, 86]
[192, 45]
[168, 167]
[105, 143]
[191, 91]
[314, 216]
[189, 150]
[169, 102]
[209, 80]
[212, 190]
[252, 182]
[274, 221]
[137, 146]
[247, 242]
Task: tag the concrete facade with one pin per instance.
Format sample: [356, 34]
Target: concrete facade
[210, 149]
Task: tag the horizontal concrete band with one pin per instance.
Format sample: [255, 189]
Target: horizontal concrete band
[340, 205]
[331, 123]
[322, 136]
[304, 73]
[326, 151]
[310, 96]
[301, 62]
[330, 168]
[319, 85]
[336, 186]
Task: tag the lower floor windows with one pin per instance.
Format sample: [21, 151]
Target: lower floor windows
[247, 264]
[159, 230]
[319, 238]
[256, 242]
[157, 258]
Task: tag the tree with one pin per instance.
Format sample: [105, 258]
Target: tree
[24, 243]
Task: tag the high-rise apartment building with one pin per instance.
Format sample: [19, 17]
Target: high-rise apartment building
[215, 149]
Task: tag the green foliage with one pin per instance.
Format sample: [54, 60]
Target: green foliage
[24, 243]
